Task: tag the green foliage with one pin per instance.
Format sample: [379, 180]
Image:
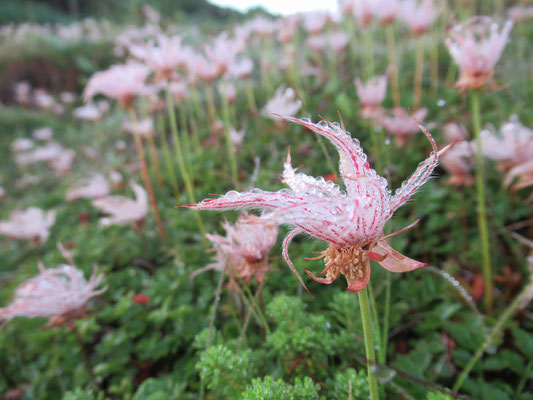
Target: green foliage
[80, 394]
[348, 384]
[301, 341]
[167, 388]
[225, 372]
[270, 389]
[438, 396]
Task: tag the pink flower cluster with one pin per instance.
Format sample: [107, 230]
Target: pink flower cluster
[476, 45]
[243, 252]
[350, 222]
[56, 292]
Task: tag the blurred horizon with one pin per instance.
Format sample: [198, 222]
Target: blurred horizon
[278, 6]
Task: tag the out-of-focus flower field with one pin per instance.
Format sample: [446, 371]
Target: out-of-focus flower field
[163, 235]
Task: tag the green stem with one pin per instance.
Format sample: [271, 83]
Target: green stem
[369, 53]
[250, 96]
[144, 173]
[481, 203]
[229, 145]
[508, 313]
[248, 315]
[393, 62]
[369, 343]
[186, 139]
[419, 69]
[435, 37]
[160, 122]
[210, 97]
[375, 318]
[179, 155]
[382, 355]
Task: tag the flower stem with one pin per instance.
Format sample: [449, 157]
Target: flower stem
[419, 69]
[508, 313]
[144, 173]
[250, 96]
[154, 158]
[160, 127]
[393, 62]
[369, 54]
[382, 355]
[481, 204]
[374, 315]
[229, 145]
[249, 314]
[369, 343]
[434, 65]
[179, 154]
[86, 360]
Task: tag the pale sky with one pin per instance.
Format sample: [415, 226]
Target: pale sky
[284, 7]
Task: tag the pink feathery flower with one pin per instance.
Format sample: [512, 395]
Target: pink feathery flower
[418, 15]
[43, 99]
[22, 91]
[122, 210]
[476, 45]
[260, 26]
[91, 188]
[236, 136]
[351, 222]
[223, 51]
[317, 43]
[88, 112]
[363, 11]
[241, 68]
[523, 173]
[21, 145]
[33, 224]
[164, 58]
[284, 101]
[48, 152]
[457, 161]
[243, 252]
[200, 68]
[454, 131]
[179, 90]
[338, 41]
[58, 293]
[401, 125]
[513, 146]
[56, 156]
[371, 95]
[120, 82]
[315, 21]
[287, 28]
[67, 97]
[520, 13]
[346, 7]
[144, 127]
[44, 133]
[62, 163]
[385, 11]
